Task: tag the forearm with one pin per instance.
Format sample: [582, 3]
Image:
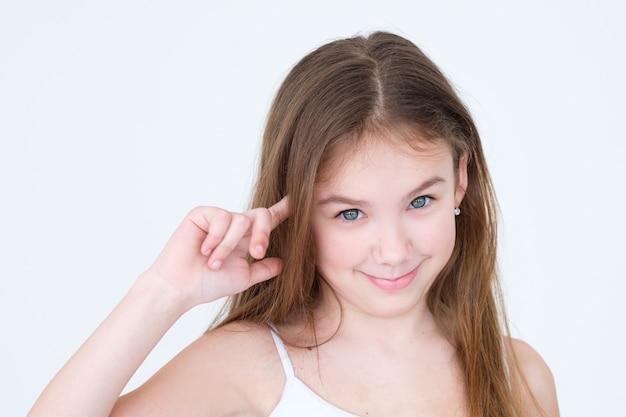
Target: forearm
[92, 380]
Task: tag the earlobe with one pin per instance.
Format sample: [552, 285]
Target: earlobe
[461, 185]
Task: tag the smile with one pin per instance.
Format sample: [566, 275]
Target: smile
[393, 284]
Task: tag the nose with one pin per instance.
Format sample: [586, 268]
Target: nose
[393, 243]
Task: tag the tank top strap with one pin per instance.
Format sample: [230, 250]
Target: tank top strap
[282, 352]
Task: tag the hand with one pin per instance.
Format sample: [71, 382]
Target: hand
[206, 258]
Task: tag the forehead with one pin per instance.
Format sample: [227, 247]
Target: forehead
[384, 155]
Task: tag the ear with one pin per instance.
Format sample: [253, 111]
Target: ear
[461, 185]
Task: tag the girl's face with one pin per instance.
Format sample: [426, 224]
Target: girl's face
[383, 224]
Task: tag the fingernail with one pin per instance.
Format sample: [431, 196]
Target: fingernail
[260, 249]
[216, 264]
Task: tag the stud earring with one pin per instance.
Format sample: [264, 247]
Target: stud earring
[457, 211]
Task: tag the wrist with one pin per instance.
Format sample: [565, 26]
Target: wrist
[170, 300]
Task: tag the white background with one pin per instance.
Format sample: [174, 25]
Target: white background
[117, 117]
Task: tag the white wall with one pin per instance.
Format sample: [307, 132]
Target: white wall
[117, 117]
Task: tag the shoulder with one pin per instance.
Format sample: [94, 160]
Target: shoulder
[236, 341]
[220, 373]
[232, 350]
[538, 377]
[244, 354]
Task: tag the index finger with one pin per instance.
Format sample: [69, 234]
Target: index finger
[280, 211]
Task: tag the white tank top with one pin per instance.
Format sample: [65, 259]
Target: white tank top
[297, 399]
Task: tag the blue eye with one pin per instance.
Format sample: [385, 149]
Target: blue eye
[351, 214]
[420, 202]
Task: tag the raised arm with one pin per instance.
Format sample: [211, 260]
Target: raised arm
[204, 260]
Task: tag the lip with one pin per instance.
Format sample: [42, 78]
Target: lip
[393, 284]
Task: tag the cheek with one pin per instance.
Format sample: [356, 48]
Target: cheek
[436, 238]
[337, 249]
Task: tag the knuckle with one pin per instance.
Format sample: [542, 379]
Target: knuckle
[240, 220]
[259, 213]
[222, 215]
[196, 211]
[206, 211]
[278, 216]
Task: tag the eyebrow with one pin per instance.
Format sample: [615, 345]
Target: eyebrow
[339, 199]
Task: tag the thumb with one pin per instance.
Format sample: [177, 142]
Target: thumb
[265, 269]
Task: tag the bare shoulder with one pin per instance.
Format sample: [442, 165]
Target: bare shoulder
[234, 369]
[538, 377]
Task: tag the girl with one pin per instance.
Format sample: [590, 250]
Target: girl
[363, 282]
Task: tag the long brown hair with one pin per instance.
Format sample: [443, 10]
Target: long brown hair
[364, 85]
